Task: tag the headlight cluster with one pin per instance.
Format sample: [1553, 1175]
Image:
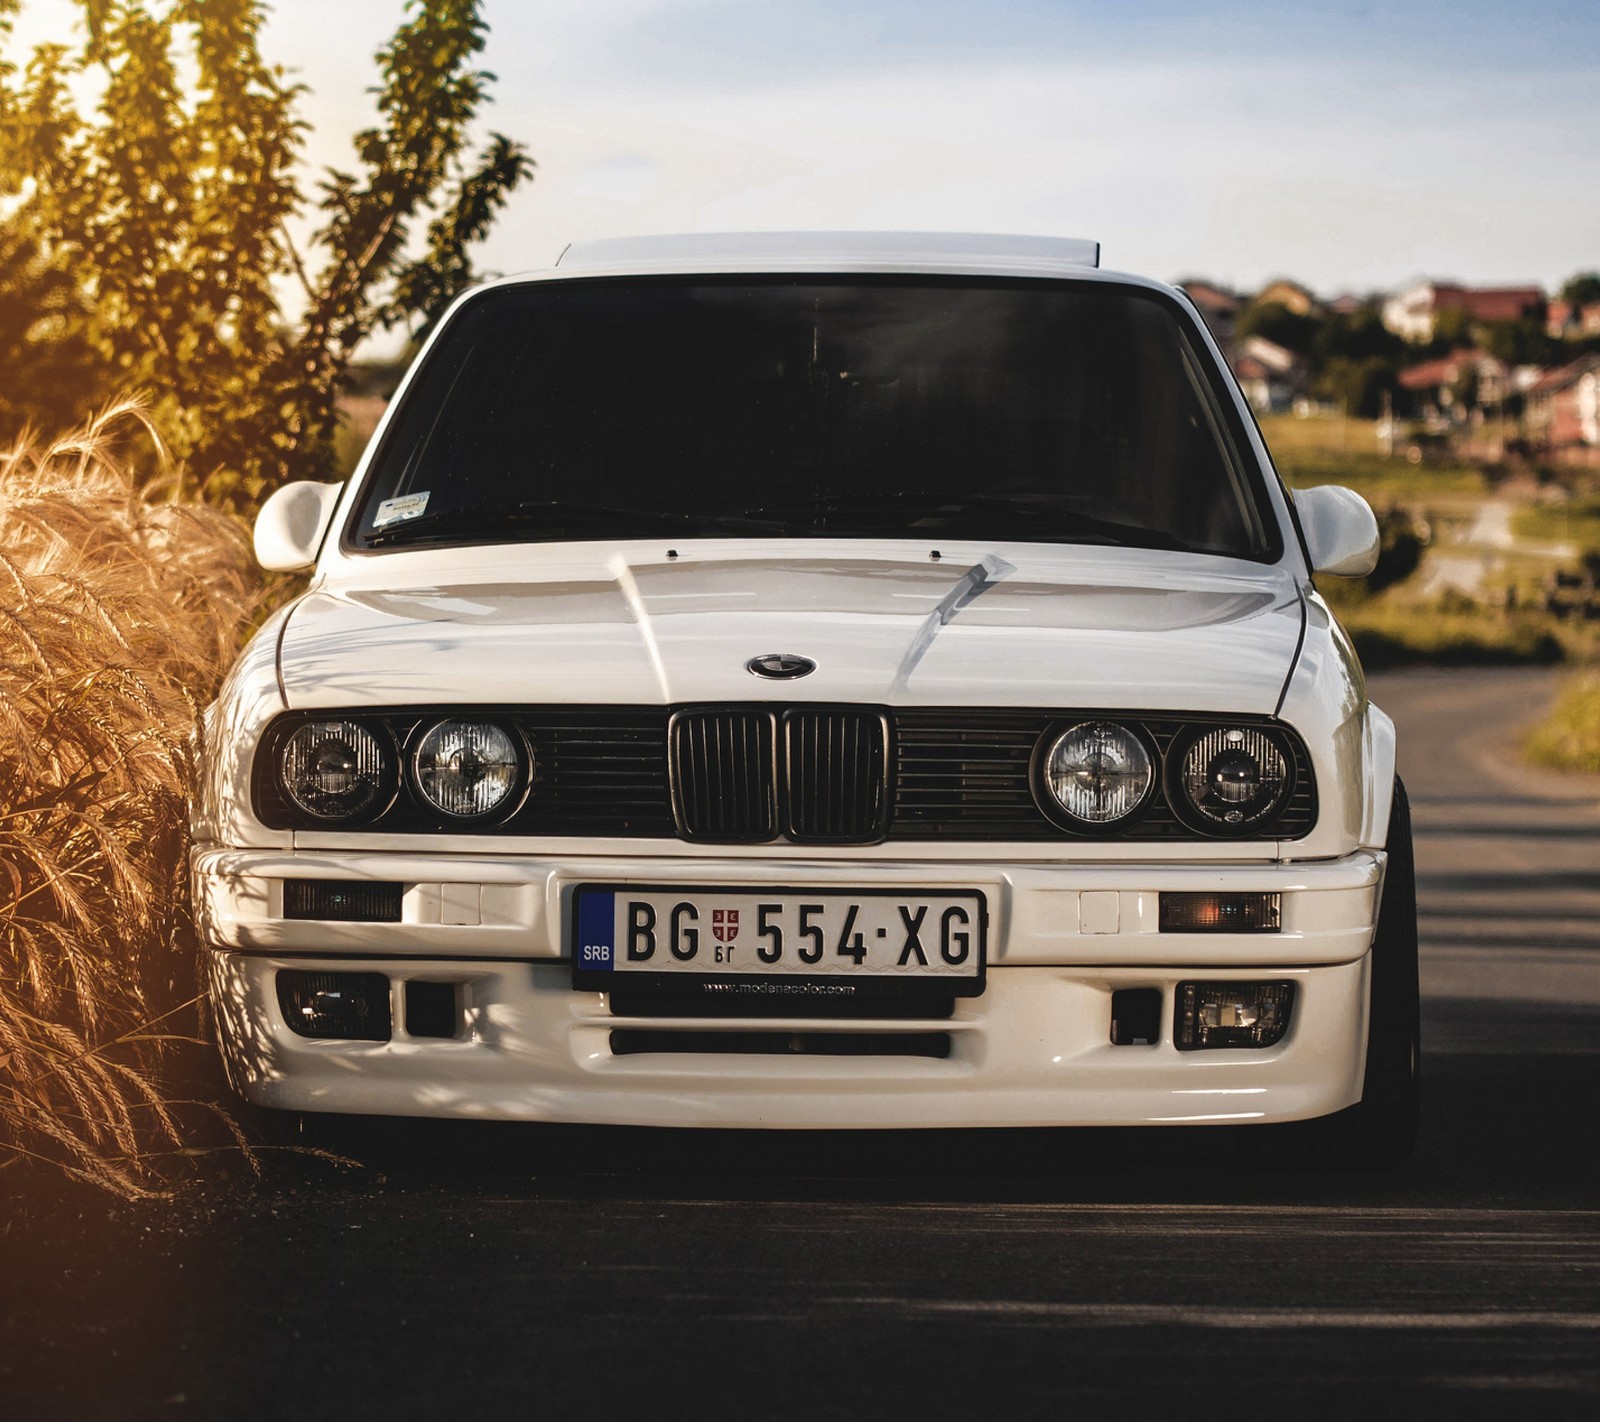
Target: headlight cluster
[1099, 773]
[336, 771]
[1235, 777]
[343, 772]
[1102, 776]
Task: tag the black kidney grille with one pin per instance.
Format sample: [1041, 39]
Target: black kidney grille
[723, 775]
[837, 764]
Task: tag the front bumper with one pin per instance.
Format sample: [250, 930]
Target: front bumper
[1033, 1050]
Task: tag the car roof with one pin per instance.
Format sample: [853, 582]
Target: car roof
[831, 251]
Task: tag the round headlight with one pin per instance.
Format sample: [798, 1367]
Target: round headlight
[1098, 773]
[334, 770]
[1235, 777]
[467, 770]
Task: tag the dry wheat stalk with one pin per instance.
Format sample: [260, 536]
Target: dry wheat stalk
[120, 609]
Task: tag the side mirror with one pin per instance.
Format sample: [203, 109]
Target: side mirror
[1340, 528]
[291, 524]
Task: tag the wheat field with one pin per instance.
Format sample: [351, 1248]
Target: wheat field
[121, 605]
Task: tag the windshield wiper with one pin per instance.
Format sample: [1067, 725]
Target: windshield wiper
[927, 510]
[556, 515]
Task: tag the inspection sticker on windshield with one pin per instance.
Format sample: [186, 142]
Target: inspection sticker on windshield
[399, 510]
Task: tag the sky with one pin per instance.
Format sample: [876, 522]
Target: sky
[1353, 146]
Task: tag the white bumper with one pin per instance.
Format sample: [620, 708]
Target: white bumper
[1033, 1050]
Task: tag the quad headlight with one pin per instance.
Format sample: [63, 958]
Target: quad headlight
[1098, 774]
[335, 771]
[467, 770]
[1235, 778]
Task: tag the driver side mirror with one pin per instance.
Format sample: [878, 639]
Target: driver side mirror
[1340, 528]
[291, 525]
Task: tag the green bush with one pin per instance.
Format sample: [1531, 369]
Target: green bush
[1453, 633]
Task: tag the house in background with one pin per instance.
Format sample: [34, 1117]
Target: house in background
[1455, 388]
[1563, 408]
[1271, 376]
[1566, 322]
[1347, 303]
[1291, 296]
[1218, 306]
[1414, 312]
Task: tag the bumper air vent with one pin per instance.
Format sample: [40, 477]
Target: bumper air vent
[637, 1041]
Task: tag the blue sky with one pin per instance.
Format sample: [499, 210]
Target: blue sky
[1353, 145]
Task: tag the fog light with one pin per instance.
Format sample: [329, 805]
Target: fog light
[354, 1006]
[1231, 1014]
[1220, 913]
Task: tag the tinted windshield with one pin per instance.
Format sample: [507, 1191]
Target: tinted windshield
[833, 407]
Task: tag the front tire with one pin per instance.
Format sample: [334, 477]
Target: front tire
[1380, 1130]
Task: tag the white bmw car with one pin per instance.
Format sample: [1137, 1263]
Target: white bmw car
[815, 680]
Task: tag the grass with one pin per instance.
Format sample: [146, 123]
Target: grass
[1396, 627]
[120, 609]
[1390, 636]
[1289, 434]
[1382, 480]
[1333, 450]
[1577, 523]
[1569, 738]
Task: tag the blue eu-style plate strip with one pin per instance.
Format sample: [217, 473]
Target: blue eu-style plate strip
[597, 915]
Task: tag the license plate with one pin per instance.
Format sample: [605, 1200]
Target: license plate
[778, 942]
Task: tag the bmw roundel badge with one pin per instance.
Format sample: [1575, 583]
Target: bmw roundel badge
[780, 666]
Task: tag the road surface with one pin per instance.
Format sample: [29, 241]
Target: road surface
[513, 1271]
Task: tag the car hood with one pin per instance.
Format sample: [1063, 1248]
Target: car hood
[1077, 627]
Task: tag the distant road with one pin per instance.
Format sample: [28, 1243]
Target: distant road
[567, 1273]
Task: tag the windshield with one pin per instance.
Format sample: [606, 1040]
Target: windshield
[904, 407]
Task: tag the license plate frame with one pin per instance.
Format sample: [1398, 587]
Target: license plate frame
[831, 977]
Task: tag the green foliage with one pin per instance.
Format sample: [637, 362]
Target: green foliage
[168, 205]
[1524, 342]
[1583, 289]
[1400, 545]
[1452, 330]
[1445, 636]
[1277, 323]
[44, 345]
[1358, 335]
[1356, 385]
[1577, 522]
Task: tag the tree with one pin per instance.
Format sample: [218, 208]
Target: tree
[1581, 290]
[171, 209]
[1356, 385]
[1273, 321]
[1358, 335]
[1524, 342]
[43, 346]
[1452, 331]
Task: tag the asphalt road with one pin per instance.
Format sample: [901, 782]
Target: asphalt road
[572, 1273]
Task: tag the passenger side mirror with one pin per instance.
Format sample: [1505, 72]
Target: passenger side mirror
[1340, 528]
[291, 524]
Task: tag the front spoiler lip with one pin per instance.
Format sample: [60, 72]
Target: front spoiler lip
[1033, 1051]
